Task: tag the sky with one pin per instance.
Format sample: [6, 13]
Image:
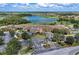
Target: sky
[39, 5]
[39, 1]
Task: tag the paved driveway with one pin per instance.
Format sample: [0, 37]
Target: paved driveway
[63, 51]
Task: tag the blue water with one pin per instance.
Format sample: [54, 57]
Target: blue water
[39, 19]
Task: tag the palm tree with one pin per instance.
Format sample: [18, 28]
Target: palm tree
[13, 47]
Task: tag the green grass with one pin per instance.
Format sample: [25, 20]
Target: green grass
[39, 36]
[69, 35]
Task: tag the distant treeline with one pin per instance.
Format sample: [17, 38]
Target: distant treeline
[71, 20]
[13, 19]
[15, 14]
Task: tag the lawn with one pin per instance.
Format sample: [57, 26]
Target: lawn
[69, 35]
[39, 36]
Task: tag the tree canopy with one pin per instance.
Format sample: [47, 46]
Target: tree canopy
[13, 47]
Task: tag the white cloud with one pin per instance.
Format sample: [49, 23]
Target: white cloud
[23, 7]
[14, 5]
[15, 1]
[57, 1]
[50, 5]
[39, 1]
[42, 4]
[59, 6]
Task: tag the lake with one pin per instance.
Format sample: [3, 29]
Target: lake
[39, 19]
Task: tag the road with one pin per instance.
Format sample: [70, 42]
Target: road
[63, 51]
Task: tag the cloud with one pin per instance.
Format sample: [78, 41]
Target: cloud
[39, 1]
[50, 5]
[42, 4]
[39, 7]
[59, 6]
[15, 1]
[23, 7]
[15, 5]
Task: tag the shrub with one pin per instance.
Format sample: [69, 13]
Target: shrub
[69, 40]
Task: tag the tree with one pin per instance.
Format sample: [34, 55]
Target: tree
[30, 43]
[56, 37]
[13, 47]
[12, 33]
[69, 40]
[76, 26]
[77, 37]
[1, 41]
[60, 31]
[25, 50]
[25, 36]
[13, 19]
[1, 33]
